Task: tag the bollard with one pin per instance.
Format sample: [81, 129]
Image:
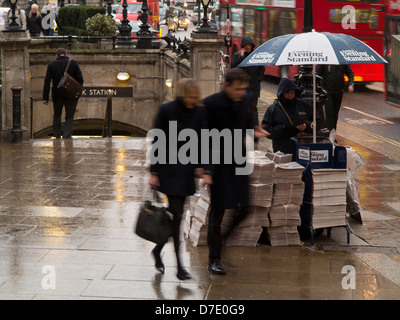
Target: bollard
[16, 132]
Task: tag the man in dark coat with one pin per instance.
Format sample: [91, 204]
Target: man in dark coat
[287, 117]
[227, 110]
[333, 83]
[256, 73]
[55, 71]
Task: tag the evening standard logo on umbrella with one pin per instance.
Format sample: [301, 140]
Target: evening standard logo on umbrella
[306, 56]
[262, 57]
[353, 55]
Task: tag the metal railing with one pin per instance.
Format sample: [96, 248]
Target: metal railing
[181, 47]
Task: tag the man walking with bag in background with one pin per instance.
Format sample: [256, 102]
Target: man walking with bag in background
[55, 71]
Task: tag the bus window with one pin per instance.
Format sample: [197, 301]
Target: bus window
[261, 27]
[249, 27]
[273, 25]
[362, 16]
[287, 22]
[236, 22]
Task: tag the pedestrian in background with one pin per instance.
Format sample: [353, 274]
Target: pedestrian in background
[228, 110]
[287, 117]
[48, 24]
[34, 21]
[333, 83]
[177, 180]
[256, 74]
[55, 71]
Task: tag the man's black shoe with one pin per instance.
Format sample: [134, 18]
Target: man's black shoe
[216, 268]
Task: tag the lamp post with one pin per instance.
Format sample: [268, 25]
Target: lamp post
[305, 77]
[13, 26]
[145, 36]
[124, 28]
[205, 27]
[109, 9]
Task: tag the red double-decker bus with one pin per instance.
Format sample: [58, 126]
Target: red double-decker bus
[266, 19]
[392, 27]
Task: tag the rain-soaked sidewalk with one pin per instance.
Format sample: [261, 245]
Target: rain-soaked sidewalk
[67, 208]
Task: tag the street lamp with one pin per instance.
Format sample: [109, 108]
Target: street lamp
[144, 34]
[205, 27]
[125, 28]
[13, 26]
[109, 8]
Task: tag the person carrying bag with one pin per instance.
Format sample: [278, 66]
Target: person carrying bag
[63, 70]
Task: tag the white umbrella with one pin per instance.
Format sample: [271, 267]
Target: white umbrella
[312, 48]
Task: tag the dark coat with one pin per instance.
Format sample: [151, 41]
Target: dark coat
[277, 123]
[55, 71]
[228, 189]
[34, 24]
[177, 179]
[333, 76]
[256, 73]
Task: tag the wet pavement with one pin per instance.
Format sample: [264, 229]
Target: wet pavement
[67, 208]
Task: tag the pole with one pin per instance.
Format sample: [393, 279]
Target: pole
[308, 16]
[314, 107]
[16, 132]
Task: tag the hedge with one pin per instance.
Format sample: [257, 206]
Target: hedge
[71, 20]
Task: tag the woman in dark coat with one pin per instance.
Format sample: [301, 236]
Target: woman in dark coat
[34, 21]
[167, 173]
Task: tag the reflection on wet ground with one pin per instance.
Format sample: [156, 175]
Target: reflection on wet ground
[67, 209]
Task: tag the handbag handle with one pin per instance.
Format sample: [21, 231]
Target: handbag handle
[67, 67]
[290, 120]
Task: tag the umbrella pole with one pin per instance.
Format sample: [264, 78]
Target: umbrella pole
[314, 108]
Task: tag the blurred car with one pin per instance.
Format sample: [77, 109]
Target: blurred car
[3, 17]
[179, 19]
[195, 15]
[163, 12]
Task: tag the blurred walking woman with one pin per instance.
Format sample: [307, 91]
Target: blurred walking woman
[34, 21]
[174, 178]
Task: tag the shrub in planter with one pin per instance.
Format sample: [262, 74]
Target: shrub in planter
[71, 20]
[101, 25]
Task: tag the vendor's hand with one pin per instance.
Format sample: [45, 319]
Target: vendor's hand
[260, 132]
[351, 88]
[242, 52]
[301, 127]
[207, 180]
[45, 102]
[154, 182]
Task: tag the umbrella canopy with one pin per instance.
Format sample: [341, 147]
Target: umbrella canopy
[312, 48]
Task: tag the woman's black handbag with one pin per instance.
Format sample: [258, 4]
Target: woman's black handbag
[154, 223]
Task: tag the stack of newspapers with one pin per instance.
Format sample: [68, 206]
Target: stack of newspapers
[284, 213]
[328, 198]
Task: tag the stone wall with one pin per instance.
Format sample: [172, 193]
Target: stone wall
[148, 70]
[25, 62]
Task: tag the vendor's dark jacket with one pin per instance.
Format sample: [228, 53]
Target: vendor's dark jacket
[229, 190]
[55, 71]
[256, 73]
[277, 123]
[178, 179]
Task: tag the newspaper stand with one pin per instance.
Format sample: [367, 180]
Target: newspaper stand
[318, 155]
